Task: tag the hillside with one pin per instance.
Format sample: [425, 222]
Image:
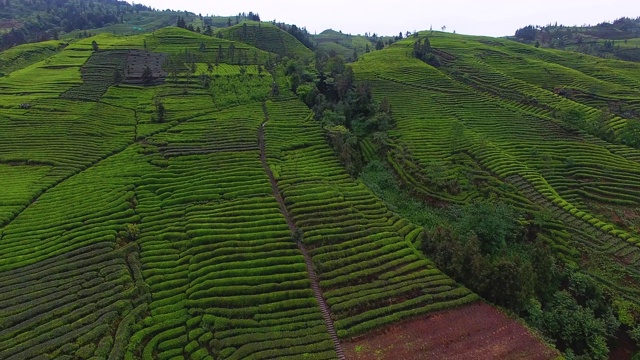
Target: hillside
[140, 236]
[23, 21]
[546, 131]
[618, 39]
[265, 36]
[172, 194]
[343, 44]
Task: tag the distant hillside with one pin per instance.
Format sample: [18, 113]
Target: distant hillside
[282, 40]
[343, 44]
[620, 39]
[24, 21]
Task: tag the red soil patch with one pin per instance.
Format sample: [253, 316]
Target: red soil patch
[475, 331]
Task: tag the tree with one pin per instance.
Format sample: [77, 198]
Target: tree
[220, 55]
[208, 30]
[94, 45]
[232, 51]
[630, 134]
[147, 76]
[575, 118]
[160, 111]
[206, 81]
[244, 31]
[526, 33]
[117, 76]
[181, 23]
[275, 89]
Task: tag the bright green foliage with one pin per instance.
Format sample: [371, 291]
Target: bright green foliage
[544, 131]
[26, 54]
[343, 44]
[122, 236]
[359, 245]
[265, 36]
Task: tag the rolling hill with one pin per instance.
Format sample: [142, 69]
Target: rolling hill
[171, 194]
[267, 37]
[343, 44]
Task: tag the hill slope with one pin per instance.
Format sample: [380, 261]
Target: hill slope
[222, 226]
[546, 131]
[343, 44]
[267, 37]
[204, 215]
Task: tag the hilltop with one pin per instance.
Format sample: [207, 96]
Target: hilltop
[281, 40]
[214, 190]
[619, 39]
[344, 44]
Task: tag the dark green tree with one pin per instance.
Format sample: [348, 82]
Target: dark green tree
[147, 76]
[220, 55]
[117, 76]
[232, 52]
[161, 112]
[208, 30]
[181, 23]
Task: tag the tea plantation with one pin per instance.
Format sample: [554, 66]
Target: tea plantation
[171, 195]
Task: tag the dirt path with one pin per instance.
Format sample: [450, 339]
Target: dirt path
[315, 284]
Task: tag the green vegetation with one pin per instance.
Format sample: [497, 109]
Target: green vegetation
[267, 37]
[346, 45]
[618, 40]
[166, 194]
[538, 130]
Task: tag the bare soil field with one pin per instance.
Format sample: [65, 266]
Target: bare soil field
[475, 331]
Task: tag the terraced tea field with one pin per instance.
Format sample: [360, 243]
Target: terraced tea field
[225, 227]
[490, 121]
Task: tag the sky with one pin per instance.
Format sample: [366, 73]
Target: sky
[491, 18]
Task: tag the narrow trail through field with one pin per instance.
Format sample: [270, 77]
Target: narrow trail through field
[315, 283]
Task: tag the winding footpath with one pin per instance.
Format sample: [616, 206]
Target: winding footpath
[315, 283]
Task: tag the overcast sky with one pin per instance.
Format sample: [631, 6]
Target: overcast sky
[480, 17]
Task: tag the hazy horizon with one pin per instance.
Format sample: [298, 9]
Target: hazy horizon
[495, 18]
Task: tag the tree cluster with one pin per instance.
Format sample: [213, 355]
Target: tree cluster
[423, 52]
[301, 34]
[53, 16]
[527, 33]
[345, 108]
[497, 253]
